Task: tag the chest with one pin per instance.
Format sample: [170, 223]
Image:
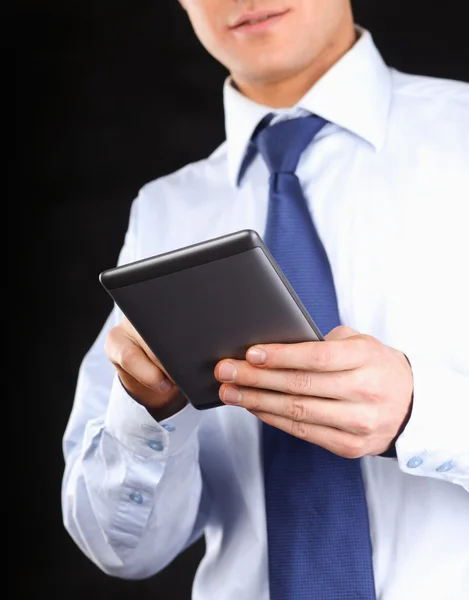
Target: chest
[393, 231]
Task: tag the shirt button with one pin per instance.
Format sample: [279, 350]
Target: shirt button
[169, 427]
[136, 497]
[414, 462]
[155, 445]
[446, 466]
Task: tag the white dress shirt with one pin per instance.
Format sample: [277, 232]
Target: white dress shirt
[387, 182]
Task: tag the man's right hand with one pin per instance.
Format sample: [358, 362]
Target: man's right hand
[141, 373]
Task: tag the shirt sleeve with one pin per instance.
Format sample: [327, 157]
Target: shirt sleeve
[435, 441]
[132, 488]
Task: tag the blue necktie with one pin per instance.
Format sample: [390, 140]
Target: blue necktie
[317, 520]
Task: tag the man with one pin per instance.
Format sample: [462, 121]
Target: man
[382, 404]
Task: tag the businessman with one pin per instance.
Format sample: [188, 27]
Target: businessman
[334, 470]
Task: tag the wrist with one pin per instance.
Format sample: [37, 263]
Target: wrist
[176, 403]
[390, 452]
[165, 412]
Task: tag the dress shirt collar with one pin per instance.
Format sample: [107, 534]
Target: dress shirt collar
[354, 94]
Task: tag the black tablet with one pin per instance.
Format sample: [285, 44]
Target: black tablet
[197, 305]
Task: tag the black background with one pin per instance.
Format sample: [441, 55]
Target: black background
[109, 95]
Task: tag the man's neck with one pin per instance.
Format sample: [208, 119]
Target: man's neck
[286, 92]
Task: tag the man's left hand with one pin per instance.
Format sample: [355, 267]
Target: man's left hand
[349, 394]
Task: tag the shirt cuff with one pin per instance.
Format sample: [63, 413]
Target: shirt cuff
[434, 442]
[132, 425]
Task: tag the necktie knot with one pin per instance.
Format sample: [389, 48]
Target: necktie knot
[282, 144]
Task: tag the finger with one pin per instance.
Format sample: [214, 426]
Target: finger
[124, 353]
[326, 356]
[295, 382]
[134, 335]
[346, 416]
[339, 442]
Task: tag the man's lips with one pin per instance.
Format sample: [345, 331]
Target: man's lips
[257, 17]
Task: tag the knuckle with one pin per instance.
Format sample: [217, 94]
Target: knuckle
[368, 387]
[252, 376]
[362, 343]
[296, 410]
[321, 356]
[353, 448]
[127, 356]
[254, 399]
[368, 340]
[298, 382]
[344, 330]
[299, 430]
[371, 348]
[152, 380]
[373, 391]
[374, 348]
[110, 343]
[364, 423]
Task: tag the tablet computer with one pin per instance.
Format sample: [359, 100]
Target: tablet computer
[199, 304]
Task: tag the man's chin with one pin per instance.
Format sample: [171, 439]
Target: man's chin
[264, 73]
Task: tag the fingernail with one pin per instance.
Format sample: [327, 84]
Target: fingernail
[228, 371]
[257, 356]
[232, 395]
[165, 386]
